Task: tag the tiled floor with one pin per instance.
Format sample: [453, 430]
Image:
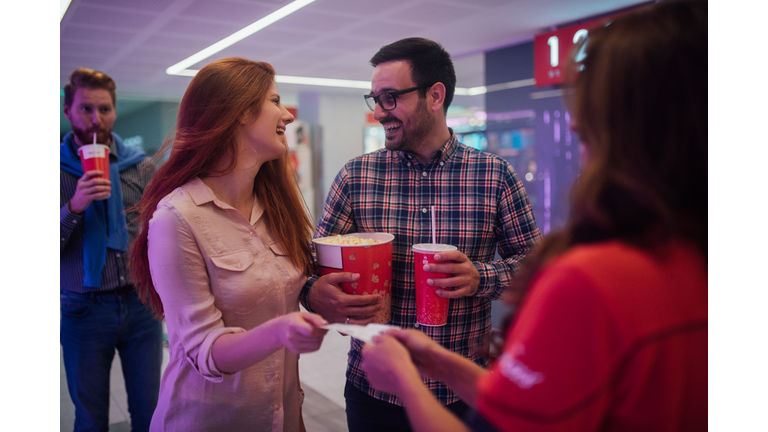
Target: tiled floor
[322, 378]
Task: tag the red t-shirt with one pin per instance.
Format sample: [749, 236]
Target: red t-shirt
[610, 338]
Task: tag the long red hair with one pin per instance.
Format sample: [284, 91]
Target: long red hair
[209, 115]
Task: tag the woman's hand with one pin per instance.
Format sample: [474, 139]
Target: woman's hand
[388, 366]
[421, 348]
[300, 332]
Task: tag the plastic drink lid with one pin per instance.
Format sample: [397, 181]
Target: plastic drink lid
[432, 247]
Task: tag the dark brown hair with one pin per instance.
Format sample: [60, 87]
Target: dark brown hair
[639, 99]
[430, 64]
[209, 115]
[90, 79]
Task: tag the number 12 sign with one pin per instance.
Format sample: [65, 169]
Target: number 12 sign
[551, 49]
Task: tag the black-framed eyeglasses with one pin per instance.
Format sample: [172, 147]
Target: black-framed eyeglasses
[388, 100]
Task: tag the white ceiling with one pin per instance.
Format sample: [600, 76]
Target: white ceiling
[135, 41]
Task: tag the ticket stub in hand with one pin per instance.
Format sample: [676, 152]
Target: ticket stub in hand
[364, 333]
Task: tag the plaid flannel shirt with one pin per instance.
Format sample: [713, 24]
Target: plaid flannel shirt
[480, 206]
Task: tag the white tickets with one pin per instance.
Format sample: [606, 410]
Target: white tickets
[364, 333]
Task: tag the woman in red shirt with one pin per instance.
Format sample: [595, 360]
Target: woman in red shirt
[612, 331]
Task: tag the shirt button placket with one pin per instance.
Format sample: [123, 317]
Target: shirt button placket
[425, 195]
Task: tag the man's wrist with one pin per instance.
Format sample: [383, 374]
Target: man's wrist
[305, 291]
[69, 207]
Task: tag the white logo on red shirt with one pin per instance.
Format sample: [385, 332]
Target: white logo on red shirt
[517, 372]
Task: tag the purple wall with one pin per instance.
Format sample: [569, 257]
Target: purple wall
[528, 126]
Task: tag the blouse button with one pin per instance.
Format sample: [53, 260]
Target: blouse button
[250, 233]
[239, 265]
[267, 259]
[424, 174]
[424, 210]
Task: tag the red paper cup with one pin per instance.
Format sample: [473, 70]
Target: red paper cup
[95, 157]
[431, 309]
[372, 261]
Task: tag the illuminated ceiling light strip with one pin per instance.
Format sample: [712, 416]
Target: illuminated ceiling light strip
[187, 72]
[366, 85]
[230, 40]
[510, 85]
[327, 82]
[63, 5]
[472, 91]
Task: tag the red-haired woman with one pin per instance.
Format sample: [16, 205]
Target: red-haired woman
[612, 335]
[222, 255]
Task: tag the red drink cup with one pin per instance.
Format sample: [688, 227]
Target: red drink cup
[431, 309]
[95, 157]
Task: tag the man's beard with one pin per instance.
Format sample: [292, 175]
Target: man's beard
[85, 136]
[419, 126]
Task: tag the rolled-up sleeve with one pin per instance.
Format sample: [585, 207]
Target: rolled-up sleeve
[516, 232]
[180, 278]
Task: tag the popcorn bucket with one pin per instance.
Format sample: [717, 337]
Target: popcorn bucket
[373, 261]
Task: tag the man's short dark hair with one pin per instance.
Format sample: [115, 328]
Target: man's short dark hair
[90, 79]
[430, 63]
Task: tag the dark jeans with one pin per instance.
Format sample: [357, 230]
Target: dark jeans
[92, 327]
[368, 414]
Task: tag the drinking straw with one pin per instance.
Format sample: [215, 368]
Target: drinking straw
[94, 137]
[432, 208]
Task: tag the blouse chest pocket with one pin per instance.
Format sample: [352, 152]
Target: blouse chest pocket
[292, 278]
[240, 286]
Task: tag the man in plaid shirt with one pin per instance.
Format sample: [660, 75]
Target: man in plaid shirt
[480, 207]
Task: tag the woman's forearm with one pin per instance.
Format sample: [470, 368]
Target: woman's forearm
[395, 363]
[233, 352]
[424, 411]
[457, 372]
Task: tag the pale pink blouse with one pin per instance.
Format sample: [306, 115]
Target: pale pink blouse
[218, 273]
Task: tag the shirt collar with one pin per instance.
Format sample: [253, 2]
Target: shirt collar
[442, 154]
[113, 152]
[199, 192]
[450, 147]
[202, 194]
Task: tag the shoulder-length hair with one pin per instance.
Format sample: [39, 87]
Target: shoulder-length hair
[639, 99]
[219, 95]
